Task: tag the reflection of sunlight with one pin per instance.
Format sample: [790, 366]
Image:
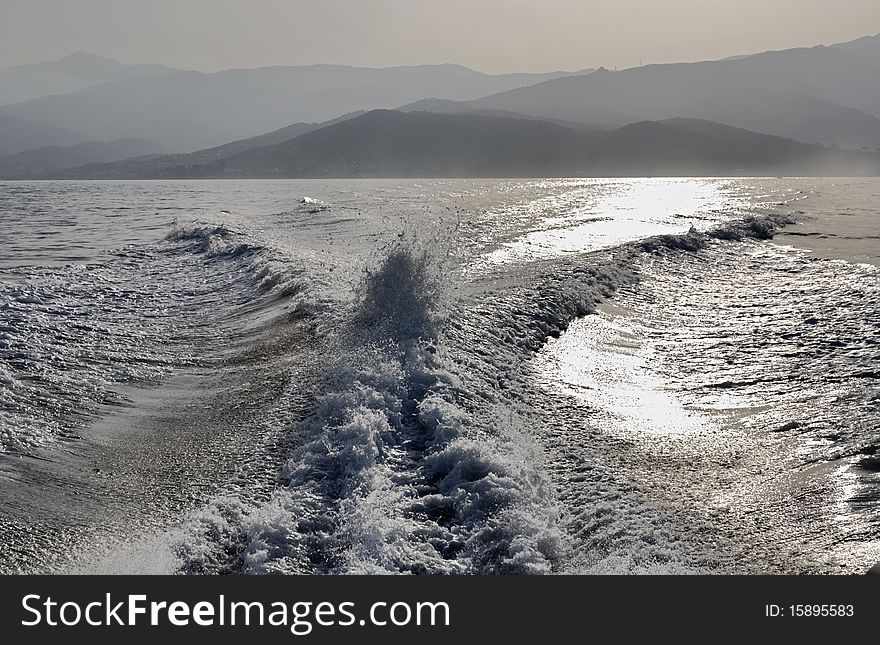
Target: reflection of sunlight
[600, 361]
[609, 212]
[846, 496]
[850, 485]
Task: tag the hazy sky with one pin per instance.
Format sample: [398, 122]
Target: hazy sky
[489, 35]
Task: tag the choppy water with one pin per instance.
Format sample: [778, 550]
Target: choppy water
[456, 376]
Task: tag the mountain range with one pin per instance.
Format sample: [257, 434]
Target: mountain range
[41, 162]
[192, 110]
[800, 110]
[387, 143]
[69, 74]
[828, 95]
[18, 135]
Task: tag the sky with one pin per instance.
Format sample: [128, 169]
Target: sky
[494, 36]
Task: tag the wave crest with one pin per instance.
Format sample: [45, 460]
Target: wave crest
[391, 475]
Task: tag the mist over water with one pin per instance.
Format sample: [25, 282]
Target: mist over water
[441, 376]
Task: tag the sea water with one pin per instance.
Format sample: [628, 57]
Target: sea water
[441, 376]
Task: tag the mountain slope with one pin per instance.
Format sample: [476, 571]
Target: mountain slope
[385, 143]
[688, 146]
[827, 95]
[18, 134]
[699, 147]
[446, 106]
[152, 166]
[40, 162]
[69, 74]
[192, 110]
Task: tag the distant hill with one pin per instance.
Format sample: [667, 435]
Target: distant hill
[827, 95]
[388, 143]
[18, 134]
[41, 162]
[191, 110]
[445, 106]
[69, 74]
[171, 165]
[151, 166]
[698, 147]
[385, 143]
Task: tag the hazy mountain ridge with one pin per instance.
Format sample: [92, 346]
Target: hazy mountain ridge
[39, 162]
[818, 95]
[18, 134]
[385, 143]
[194, 110]
[446, 106]
[159, 165]
[69, 74]
[826, 95]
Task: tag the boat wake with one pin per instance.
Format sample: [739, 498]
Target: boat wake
[427, 450]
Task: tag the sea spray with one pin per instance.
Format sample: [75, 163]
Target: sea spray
[271, 272]
[392, 475]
